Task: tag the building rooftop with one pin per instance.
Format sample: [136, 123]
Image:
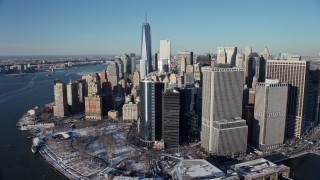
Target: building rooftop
[192, 168]
[258, 167]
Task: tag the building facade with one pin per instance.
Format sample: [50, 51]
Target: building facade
[130, 112]
[270, 114]
[60, 108]
[295, 74]
[221, 99]
[170, 117]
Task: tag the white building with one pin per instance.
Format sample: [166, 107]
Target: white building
[165, 51]
[143, 69]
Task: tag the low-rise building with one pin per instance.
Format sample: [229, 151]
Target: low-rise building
[130, 112]
[260, 169]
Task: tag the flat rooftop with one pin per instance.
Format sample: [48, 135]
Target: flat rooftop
[192, 168]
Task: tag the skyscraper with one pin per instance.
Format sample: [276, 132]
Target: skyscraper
[248, 51]
[73, 97]
[146, 46]
[221, 100]
[60, 108]
[113, 76]
[133, 62]
[295, 74]
[143, 68]
[150, 110]
[165, 51]
[170, 117]
[270, 114]
[240, 59]
[265, 54]
[227, 55]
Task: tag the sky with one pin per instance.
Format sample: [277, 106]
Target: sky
[75, 27]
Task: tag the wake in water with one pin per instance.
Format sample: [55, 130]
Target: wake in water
[6, 96]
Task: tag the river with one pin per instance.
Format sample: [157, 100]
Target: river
[17, 95]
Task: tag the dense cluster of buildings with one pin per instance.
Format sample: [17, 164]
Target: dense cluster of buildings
[225, 101]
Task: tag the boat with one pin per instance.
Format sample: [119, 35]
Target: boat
[49, 75]
[34, 149]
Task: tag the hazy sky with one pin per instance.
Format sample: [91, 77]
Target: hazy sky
[64, 27]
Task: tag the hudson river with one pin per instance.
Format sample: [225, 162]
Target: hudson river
[17, 95]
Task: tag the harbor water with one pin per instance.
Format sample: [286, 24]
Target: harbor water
[17, 95]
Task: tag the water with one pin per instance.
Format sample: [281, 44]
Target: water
[304, 167]
[17, 95]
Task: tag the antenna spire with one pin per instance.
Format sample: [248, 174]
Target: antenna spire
[145, 15]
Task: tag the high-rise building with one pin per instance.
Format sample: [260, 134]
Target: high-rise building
[82, 91]
[105, 85]
[165, 51]
[187, 55]
[146, 54]
[136, 79]
[150, 111]
[229, 137]
[93, 102]
[143, 69]
[265, 53]
[227, 55]
[170, 117]
[221, 100]
[73, 97]
[130, 112]
[113, 76]
[270, 114]
[155, 62]
[60, 108]
[255, 68]
[189, 122]
[221, 56]
[248, 51]
[120, 66]
[295, 74]
[240, 60]
[133, 62]
[126, 64]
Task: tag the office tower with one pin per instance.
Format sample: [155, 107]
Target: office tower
[165, 51]
[126, 65]
[187, 55]
[105, 85]
[289, 57]
[265, 53]
[221, 100]
[133, 62]
[182, 66]
[270, 114]
[229, 137]
[189, 122]
[82, 91]
[73, 97]
[163, 65]
[170, 117]
[295, 74]
[240, 60]
[113, 76]
[136, 79]
[204, 59]
[155, 62]
[221, 56]
[130, 112]
[60, 108]
[248, 51]
[120, 66]
[255, 68]
[150, 111]
[227, 55]
[313, 97]
[143, 69]
[146, 47]
[93, 102]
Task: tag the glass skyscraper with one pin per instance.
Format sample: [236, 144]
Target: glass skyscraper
[146, 45]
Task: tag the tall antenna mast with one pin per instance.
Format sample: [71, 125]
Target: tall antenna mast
[145, 14]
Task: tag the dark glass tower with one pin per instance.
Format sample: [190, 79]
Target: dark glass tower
[151, 110]
[146, 45]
